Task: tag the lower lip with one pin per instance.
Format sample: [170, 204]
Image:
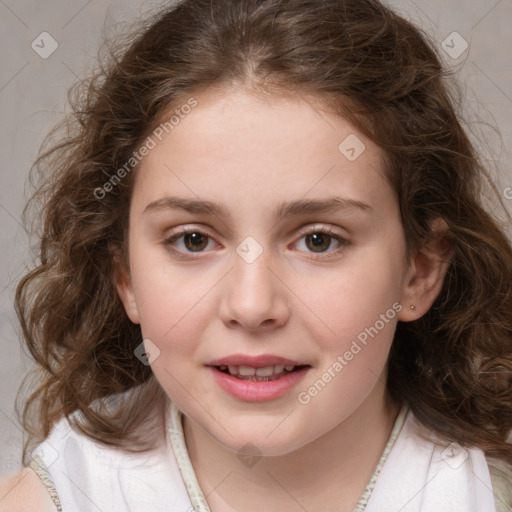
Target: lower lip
[258, 391]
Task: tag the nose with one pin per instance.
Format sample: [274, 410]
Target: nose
[254, 296]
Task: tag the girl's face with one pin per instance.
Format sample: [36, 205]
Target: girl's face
[295, 255]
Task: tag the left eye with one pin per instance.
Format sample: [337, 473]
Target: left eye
[320, 241]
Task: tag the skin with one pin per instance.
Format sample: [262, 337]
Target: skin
[24, 492]
[251, 154]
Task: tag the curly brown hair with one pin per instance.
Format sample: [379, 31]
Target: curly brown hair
[452, 366]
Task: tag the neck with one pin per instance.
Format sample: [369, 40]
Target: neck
[345, 457]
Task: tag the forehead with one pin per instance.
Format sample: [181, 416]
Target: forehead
[235, 145]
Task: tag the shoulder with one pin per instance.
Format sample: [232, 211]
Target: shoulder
[25, 491]
[501, 478]
[488, 473]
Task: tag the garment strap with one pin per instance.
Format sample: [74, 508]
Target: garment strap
[195, 493]
[38, 466]
[177, 439]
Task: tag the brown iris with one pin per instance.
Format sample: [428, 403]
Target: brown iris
[320, 241]
[195, 241]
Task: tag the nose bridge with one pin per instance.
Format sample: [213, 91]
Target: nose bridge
[254, 294]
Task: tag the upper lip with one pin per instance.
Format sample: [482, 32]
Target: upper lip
[253, 361]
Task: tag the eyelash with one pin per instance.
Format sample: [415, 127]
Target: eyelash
[168, 242]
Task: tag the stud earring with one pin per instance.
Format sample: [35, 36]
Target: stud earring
[413, 306]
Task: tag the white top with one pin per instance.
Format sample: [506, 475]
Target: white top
[413, 475]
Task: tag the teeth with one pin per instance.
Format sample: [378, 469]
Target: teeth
[265, 371]
[246, 370]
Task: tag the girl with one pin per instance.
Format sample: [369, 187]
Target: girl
[266, 279]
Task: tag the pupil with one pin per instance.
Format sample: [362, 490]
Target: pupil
[195, 238]
[319, 240]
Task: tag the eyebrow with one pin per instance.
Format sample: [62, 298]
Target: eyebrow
[285, 209]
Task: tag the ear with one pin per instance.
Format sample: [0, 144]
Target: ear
[124, 287]
[426, 274]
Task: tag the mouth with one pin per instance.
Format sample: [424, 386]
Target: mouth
[257, 378]
[261, 373]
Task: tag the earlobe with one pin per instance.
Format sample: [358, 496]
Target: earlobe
[427, 273]
[124, 288]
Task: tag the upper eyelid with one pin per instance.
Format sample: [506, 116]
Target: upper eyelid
[306, 229]
[319, 227]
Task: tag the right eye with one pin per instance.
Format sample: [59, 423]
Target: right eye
[188, 241]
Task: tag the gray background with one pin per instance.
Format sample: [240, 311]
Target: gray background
[33, 97]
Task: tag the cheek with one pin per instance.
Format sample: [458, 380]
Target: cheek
[361, 311]
[361, 298]
[170, 300]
